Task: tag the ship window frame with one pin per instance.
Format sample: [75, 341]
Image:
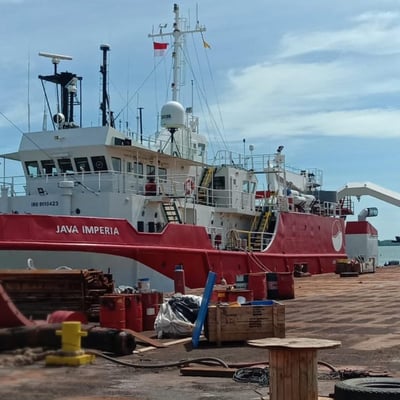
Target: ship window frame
[150, 171]
[116, 163]
[138, 169]
[219, 183]
[99, 163]
[82, 161]
[65, 165]
[32, 169]
[49, 167]
[162, 174]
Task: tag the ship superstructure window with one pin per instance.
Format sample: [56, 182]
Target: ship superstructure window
[219, 182]
[65, 165]
[138, 169]
[82, 164]
[245, 186]
[162, 174]
[150, 170]
[116, 164]
[49, 167]
[32, 168]
[99, 163]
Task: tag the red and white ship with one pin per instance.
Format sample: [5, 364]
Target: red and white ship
[98, 198]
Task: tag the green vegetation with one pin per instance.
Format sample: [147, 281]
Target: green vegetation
[387, 243]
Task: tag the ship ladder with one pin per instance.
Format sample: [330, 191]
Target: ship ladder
[205, 184]
[253, 230]
[171, 212]
[258, 233]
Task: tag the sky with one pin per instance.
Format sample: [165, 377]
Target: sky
[320, 77]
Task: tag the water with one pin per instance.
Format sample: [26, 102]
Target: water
[388, 253]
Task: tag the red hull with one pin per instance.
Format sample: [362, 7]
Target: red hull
[300, 239]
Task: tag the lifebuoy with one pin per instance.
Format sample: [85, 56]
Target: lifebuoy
[189, 186]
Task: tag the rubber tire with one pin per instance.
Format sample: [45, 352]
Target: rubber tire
[368, 389]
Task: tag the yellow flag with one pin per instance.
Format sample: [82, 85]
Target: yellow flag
[206, 45]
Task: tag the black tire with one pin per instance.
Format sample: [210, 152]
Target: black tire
[368, 389]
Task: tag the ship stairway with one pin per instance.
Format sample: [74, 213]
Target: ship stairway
[258, 228]
[171, 212]
[205, 184]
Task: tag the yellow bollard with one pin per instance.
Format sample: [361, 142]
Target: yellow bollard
[71, 352]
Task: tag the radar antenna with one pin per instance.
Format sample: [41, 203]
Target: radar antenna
[64, 117]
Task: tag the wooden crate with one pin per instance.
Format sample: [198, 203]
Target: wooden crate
[229, 324]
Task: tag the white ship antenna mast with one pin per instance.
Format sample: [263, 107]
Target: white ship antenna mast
[178, 35]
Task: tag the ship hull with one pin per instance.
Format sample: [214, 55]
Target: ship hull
[301, 241]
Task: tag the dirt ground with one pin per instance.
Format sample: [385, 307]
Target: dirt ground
[360, 312]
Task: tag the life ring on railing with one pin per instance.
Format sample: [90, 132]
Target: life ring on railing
[189, 186]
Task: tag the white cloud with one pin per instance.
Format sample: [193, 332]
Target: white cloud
[374, 33]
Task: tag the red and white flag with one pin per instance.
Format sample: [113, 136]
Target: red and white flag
[159, 48]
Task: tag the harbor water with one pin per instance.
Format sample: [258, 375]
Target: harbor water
[387, 254]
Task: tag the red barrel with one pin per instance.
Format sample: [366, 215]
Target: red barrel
[257, 282]
[285, 285]
[272, 285]
[179, 279]
[134, 312]
[233, 294]
[112, 311]
[63, 315]
[150, 305]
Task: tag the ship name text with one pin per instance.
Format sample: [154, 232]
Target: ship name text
[88, 230]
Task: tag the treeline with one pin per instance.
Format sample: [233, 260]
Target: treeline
[388, 243]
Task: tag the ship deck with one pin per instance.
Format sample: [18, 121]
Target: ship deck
[361, 312]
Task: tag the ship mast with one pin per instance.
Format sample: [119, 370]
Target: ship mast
[178, 35]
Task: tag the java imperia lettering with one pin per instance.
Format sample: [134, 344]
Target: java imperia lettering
[99, 230]
[88, 230]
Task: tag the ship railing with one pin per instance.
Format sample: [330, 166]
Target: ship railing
[326, 208]
[246, 240]
[14, 186]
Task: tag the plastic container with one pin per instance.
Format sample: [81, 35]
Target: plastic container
[144, 285]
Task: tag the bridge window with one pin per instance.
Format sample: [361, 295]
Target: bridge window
[49, 167]
[150, 170]
[99, 163]
[138, 169]
[32, 168]
[116, 164]
[82, 164]
[65, 165]
[162, 174]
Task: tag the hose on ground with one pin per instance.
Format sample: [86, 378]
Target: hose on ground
[181, 363]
